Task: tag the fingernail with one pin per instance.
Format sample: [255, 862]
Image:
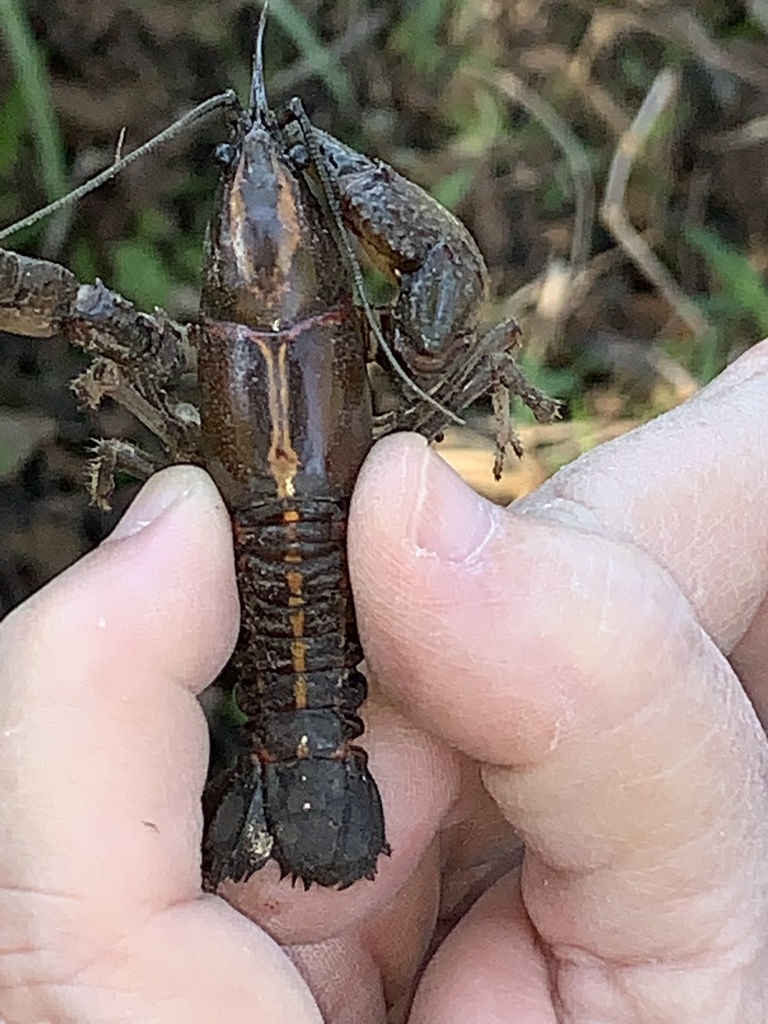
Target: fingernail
[449, 519]
[162, 490]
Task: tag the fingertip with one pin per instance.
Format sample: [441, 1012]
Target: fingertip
[473, 619]
[421, 557]
[99, 670]
[408, 495]
[383, 493]
[169, 565]
[155, 604]
[188, 485]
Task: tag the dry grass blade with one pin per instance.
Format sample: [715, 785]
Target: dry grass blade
[752, 133]
[613, 209]
[516, 90]
[677, 26]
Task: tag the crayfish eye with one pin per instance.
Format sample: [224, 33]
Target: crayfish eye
[225, 154]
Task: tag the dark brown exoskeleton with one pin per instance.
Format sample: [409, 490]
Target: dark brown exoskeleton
[283, 425]
[443, 284]
[286, 423]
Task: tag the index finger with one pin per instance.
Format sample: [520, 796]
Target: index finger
[690, 489]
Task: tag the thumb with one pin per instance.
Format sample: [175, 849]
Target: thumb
[615, 736]
[102, 763]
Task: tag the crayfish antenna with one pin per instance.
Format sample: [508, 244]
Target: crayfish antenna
[259, 105]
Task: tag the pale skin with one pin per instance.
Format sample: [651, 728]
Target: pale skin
[569, 666]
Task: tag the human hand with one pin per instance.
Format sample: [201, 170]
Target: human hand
[575, 647]
[564, 643]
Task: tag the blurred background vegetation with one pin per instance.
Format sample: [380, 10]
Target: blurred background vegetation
[514, 114]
